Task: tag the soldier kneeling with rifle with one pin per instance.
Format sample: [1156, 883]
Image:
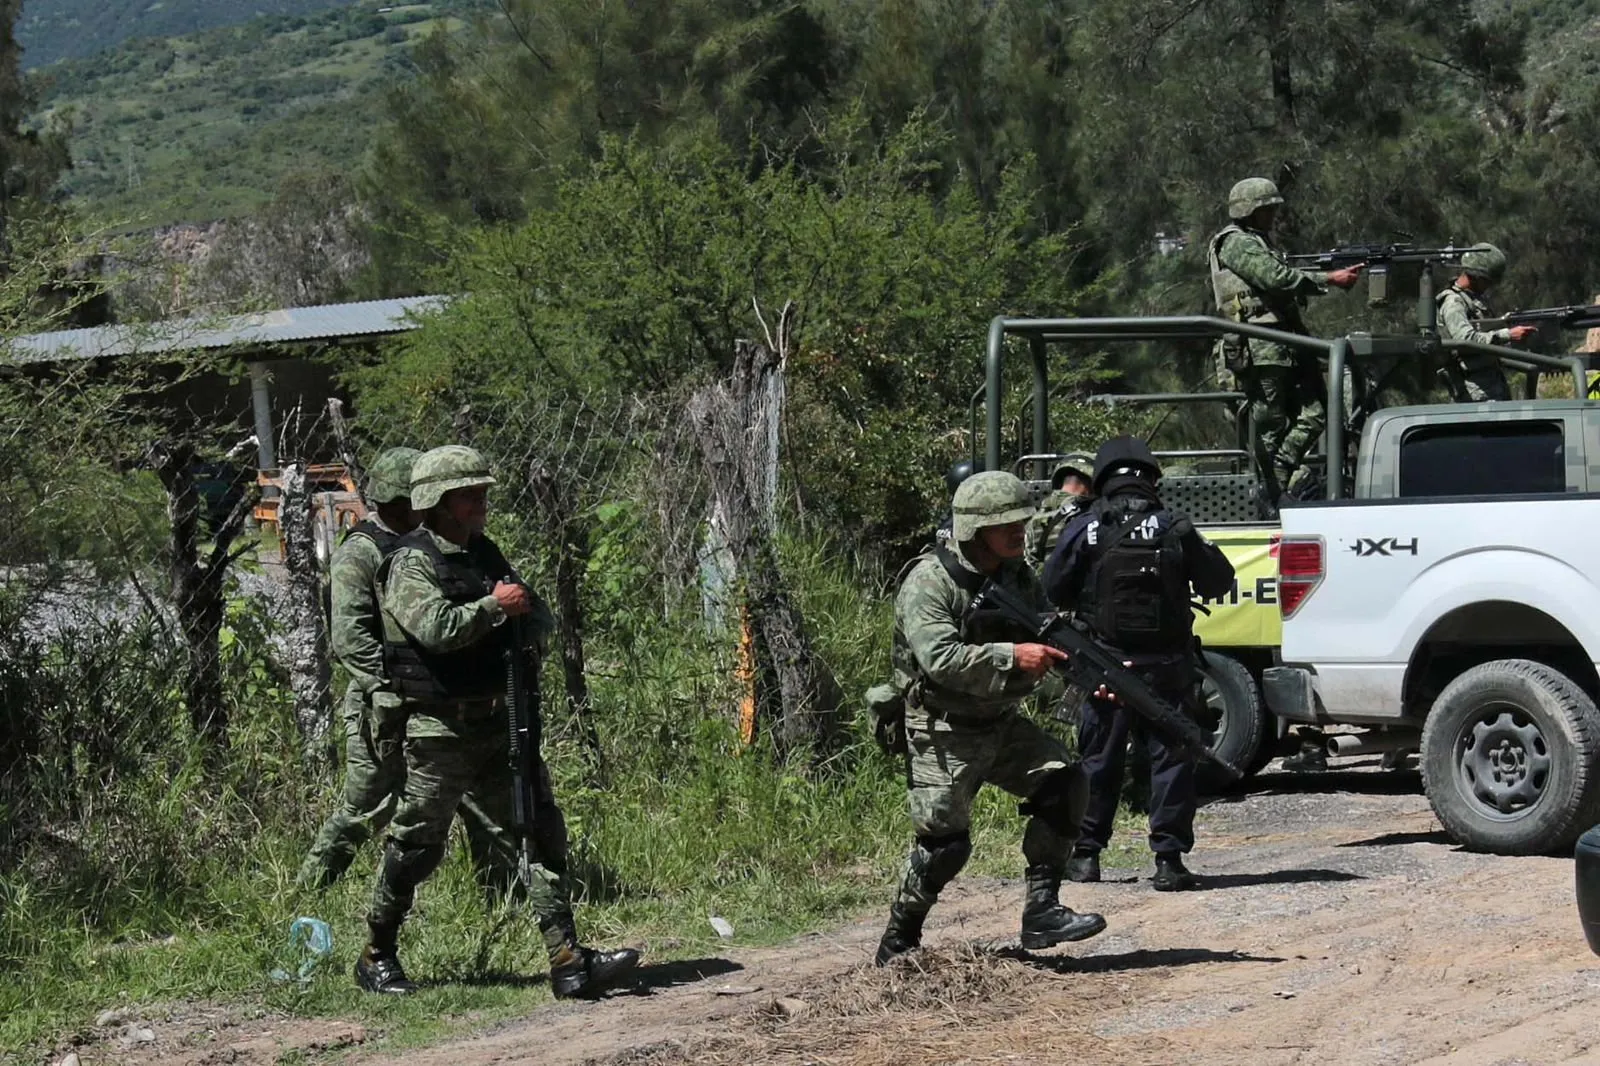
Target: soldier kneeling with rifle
[471, 729]
[964, 673]
[1125, 569]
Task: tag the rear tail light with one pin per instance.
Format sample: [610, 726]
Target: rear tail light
[1302, 560]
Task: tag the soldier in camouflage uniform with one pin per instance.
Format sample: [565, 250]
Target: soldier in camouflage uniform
[1253, 282]
[1069, 495]
[1465, 300]
[964, 684]
[374, 767]
[448, 592]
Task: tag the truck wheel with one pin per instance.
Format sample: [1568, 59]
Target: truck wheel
[1508, 758]
[1242, 724]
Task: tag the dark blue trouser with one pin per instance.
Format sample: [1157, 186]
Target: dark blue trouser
[1103, 747]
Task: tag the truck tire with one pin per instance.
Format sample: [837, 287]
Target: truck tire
[1242, 723]
[1508, 759]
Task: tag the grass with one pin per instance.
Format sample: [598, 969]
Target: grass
[688, 824]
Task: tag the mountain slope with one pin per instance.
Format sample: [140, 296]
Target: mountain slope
[205, 126]
[60, 29]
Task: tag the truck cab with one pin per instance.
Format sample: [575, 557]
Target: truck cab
[1452, 606]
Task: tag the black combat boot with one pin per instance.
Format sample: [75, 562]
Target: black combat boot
[1045, 922]
[1171, 874]
[580, 972]
[904, 933]
[1084, 867]
[378, 969]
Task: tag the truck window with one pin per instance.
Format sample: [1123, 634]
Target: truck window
[1483, 459]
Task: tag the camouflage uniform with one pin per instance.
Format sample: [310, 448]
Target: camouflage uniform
[964, 729]
[1057, 509]
[1253, 282]
[1483, 376]
[445, 641]
[374, 730]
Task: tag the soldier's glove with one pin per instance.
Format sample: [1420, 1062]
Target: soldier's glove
[1182, 527]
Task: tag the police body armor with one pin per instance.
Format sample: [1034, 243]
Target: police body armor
[474, 673]
[1136, 596]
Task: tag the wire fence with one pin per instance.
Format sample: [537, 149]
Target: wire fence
[157, 595]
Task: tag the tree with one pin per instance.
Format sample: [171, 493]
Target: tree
[31, 160]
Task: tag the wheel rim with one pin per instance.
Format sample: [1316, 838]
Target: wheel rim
[1216, 707]
[1502, 761]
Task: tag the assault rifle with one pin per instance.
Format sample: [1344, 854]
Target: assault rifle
[1379, 259]
[1549, 321]
[527, 727]
[1089, 666]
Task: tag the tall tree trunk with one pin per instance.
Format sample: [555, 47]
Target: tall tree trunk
[198, 585]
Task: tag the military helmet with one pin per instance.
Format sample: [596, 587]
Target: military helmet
[438, 471]
[390, 476]
[1484, 260]
[1124, 455]
[1077, 463]
[989, 498]
[959, 472]
[1250, 195]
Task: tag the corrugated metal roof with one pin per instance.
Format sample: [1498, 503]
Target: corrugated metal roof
[286, 326]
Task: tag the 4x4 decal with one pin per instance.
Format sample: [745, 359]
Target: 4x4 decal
[1366, 547]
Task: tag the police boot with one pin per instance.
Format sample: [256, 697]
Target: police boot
[1045, 922]
[1084, 867]
[577, 971]
[1171, 874]
[904, 933]
[378, 969]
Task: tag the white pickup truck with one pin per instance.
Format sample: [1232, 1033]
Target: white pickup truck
[1453, 607]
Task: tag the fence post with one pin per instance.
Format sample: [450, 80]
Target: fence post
[736, 428]
[310, 672]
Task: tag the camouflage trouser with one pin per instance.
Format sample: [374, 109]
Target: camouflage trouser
[1486, 382]
[471, 771]
[374, 771]
[947, 764]
[1288, 405]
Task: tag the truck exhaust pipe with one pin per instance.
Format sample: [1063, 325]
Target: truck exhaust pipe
[1371, 743]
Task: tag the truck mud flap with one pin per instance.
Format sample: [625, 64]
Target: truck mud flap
[1290, 694]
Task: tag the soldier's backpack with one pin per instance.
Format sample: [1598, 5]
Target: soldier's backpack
[1139, 587]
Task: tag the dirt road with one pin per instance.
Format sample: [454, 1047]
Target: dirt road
[1338, 925]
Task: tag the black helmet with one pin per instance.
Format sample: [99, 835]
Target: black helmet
[1123, 456]
[959, 472]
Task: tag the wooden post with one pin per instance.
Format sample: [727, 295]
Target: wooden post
[310, 672]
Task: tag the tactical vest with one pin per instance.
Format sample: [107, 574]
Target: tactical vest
[1236, 298]
[975, 628]
[472, 673]
[1136, 594]
[387, 540]
[1056, 518]
[1477, 306]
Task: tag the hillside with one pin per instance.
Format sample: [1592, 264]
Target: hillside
[204, 126]
[65, 29]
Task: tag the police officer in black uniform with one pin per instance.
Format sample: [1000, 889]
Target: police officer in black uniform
[1125, 568]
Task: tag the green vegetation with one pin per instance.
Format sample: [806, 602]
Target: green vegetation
[206, 126]
[623, 192]
[59, 29]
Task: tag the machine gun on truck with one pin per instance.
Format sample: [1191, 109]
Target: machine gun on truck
[1381, 261]
[1549, 321]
